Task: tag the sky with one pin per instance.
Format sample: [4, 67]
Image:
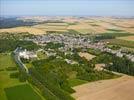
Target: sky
[67, 7]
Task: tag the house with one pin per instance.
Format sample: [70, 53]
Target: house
[27, 54]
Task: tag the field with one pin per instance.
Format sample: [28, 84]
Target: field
[5, 80]
[114, 89]
[86, 55]
[93, 25]
[23, 29]
[128, 38]
[120, 42]
[21, 92]
[75, 82]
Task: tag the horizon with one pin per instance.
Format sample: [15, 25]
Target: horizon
[115, 8]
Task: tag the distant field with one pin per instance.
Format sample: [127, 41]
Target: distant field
[128, 38]
[121, 42]
[84, 26]
[21, 92]
[24, 29]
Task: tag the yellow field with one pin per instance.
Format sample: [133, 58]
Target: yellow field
[113, 89]
[23, 29]
[95, 25]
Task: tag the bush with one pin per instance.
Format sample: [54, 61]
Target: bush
[14, 75]
[11, 68]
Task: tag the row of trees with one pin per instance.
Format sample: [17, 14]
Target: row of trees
[7, 45]
[122, 65]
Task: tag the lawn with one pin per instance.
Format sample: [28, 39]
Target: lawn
[21, 92]
[75, 82]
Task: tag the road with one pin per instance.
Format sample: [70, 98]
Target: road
[18, 61]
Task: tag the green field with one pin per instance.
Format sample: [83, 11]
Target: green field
[21, 92]
[120, 42]
[75, 82]
[5, 81]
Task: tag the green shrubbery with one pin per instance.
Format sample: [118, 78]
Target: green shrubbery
[14, 75]
[11, 68]
[7, 45]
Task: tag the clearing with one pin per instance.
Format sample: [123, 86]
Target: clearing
[86, 55]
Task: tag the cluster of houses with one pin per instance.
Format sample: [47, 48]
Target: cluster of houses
[75, 41]
[27, 54]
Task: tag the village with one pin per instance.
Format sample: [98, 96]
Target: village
[70, 42]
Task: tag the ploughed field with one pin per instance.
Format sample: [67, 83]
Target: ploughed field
[114, 89]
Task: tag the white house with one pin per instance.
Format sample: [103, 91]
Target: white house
[27, 54]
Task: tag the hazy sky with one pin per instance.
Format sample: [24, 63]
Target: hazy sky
[67, 7]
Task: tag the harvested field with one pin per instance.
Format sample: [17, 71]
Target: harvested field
[128, 38]
[86, 55]
[94, 25]
[24, 29]
[114, 89]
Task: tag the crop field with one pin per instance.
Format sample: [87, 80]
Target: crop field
[84, 26]
[21, 92]
[5, 81]
[23, 29]
[105, 89]
[128, 38]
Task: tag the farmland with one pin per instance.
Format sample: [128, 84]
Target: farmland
[6, 61]
[9, 85]
[128, 38]
[64, 53]
[105, 89]
[84, 26]
[21, 92]
[121, 42]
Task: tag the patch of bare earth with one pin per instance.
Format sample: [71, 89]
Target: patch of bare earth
[114, 89]
[86, 55]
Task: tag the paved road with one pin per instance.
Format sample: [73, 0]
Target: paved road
[18, 61]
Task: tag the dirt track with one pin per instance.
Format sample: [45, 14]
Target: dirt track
[115, 89]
